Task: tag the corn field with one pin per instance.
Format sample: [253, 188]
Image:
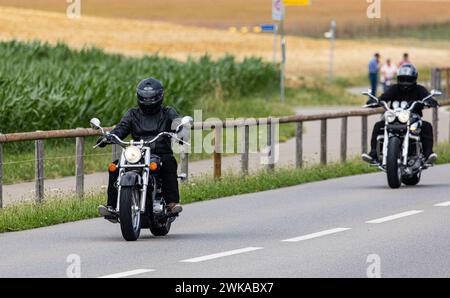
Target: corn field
[54, 87]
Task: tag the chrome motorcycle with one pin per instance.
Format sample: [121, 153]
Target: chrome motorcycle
[399, 148]
[140, 202]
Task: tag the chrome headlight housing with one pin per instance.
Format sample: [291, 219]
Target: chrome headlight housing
[133, 154]
[390, 116]
[403, 116]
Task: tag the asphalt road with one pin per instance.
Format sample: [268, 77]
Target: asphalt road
[334, 228]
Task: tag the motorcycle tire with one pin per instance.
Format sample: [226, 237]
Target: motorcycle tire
[393, 169]
[130, 215]
[414, 180]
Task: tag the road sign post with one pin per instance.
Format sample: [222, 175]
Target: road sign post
[271, 28]
[279, 14]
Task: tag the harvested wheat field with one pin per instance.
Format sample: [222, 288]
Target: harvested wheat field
[310, 20]
[133, 37]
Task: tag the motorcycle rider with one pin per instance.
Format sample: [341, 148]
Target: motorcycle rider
[406, 89]
[144, 123]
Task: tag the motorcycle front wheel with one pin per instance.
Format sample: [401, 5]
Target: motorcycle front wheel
[393, 169]
[130, 214]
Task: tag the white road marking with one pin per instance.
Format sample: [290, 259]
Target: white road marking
[128, 273]
[394, 217]
[316, 235]
[444, 204]
[222, 254]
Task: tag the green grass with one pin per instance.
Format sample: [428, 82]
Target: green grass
[54, 87]
[54, 211]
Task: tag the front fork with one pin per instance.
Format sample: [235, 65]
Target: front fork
[405, 146]
[145, 176]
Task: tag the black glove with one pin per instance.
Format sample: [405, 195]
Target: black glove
[102, 141]
[432, 103]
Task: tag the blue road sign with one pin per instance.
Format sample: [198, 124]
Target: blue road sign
[268, 27]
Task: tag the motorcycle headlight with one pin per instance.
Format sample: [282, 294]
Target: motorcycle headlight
[395, 104]
[403, 116]
[133, 154]
[390, 116]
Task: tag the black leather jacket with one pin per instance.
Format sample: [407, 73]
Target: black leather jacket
[417, 93]
[143, 126]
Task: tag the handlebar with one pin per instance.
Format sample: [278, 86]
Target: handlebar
[141, 143]
[386, 106]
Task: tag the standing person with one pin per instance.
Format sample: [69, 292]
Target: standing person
[374, 68]
[388, 74]
[405, 60]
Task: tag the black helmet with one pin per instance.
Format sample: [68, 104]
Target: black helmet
[407, 76]
[150, 95]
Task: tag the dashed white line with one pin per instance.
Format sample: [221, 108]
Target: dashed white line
[127, 273]
[444, 204]
[394, 217]
[221, 255]
[316, 235]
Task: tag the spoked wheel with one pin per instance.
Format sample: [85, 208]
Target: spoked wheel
[414, 180]
[130, 215]
[393, 168]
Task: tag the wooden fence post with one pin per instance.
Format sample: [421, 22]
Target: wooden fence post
[448, 83]
[184, 162]
[217, 151]
[299, 145]
[344, 125]
[246, 149]
[271, 145]
[39, 170]
[323, 141]
[364, 134]
[435, 84]
[79, 171]
[1, 175]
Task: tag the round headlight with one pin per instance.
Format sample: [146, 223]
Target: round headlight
[133, 154]
[403, 116]
[395, 104]
[390, 116]
[404, 104]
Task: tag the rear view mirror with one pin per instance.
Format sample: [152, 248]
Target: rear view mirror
[368, 92]
[95, 123]
[435, 92]
[187, 120]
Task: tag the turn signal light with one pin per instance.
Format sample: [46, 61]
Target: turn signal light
[112, 168]
[153, 166]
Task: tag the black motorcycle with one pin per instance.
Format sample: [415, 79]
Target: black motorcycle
[140, 201]
[399, 148]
